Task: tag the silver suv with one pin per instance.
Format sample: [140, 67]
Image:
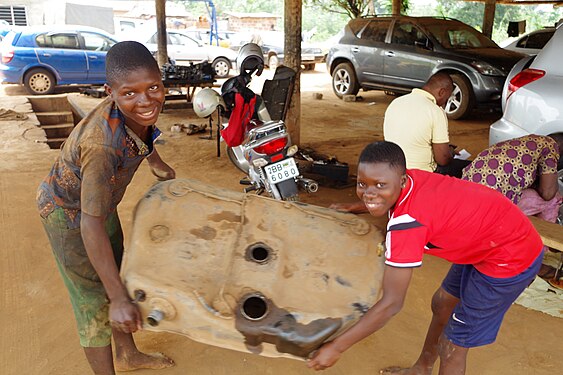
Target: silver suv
[533, 98]
[399, 53]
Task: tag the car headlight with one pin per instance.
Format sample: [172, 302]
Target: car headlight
[487, 69]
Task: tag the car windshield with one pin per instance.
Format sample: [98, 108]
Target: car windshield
[454, 35]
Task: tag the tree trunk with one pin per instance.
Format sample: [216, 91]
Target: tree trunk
[162, 55]
[396, 7]
[489, 17]
[292, 59]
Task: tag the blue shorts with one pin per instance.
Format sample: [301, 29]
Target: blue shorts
[484, 300]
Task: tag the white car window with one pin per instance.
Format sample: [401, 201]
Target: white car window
[96, 42]
[181, 40]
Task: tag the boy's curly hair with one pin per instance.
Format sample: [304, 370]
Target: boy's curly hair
[124, 57]
[384, 152]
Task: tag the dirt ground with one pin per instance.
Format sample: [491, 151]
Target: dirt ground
[39, 335]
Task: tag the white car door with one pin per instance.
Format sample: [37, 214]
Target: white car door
[184, 49]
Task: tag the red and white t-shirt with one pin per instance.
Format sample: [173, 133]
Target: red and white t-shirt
[462, 222]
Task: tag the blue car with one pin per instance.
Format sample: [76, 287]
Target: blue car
[43, 57]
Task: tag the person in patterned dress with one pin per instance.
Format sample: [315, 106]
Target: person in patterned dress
[524, 170]
[78, 200]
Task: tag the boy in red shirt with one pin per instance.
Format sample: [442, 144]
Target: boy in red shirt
[495, 252]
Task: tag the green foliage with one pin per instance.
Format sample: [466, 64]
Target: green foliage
[328, 17]
[386, 6]
[357, 8]
[324, 24]
[472, 14]
[351, 8]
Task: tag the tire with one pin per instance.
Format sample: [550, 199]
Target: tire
[221, 66]
[310, 67]
[461, 101]
[39, 82]
[344, 81]
[273, 62]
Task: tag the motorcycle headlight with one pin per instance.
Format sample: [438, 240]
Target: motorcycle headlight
[487, 69]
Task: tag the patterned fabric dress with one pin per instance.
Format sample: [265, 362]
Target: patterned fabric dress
[514, 165]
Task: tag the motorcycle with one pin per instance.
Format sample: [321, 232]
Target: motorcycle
[258, 141]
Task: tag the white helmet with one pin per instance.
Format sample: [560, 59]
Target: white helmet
[206, 102]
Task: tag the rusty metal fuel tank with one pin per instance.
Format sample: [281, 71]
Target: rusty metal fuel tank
[249, 273]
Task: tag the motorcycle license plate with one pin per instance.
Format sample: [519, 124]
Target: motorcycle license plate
[281, 171]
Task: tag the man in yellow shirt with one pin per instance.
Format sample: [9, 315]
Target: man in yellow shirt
[419, 125]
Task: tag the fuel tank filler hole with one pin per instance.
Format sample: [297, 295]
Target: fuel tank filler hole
[259, 253]
[254, 307]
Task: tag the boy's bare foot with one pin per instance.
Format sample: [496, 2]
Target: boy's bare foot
[395, 370]
[154, 361]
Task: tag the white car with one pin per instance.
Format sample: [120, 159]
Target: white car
[184, 50]
[533, 96]
[531, 43]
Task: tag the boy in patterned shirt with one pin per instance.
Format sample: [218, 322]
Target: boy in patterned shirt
[495, 251]
[78, 202]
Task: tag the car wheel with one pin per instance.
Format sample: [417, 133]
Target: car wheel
[461, 101]
[309, 66]
[39, 82]
[344, 81]
[273, 62]
[222, 67]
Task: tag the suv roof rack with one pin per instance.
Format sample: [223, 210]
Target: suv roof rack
[377, 15]
[407, 16]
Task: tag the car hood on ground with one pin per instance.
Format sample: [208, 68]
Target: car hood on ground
[498, 57]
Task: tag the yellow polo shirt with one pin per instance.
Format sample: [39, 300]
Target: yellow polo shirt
[414, 122]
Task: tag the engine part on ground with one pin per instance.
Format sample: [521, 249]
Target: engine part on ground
[335, 171]
[250, 273]
[193, 73]
[324, 165]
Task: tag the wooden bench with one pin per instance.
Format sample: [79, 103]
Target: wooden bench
[551, 233]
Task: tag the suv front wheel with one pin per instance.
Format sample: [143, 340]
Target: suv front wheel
[344, 81]
[461, 101]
